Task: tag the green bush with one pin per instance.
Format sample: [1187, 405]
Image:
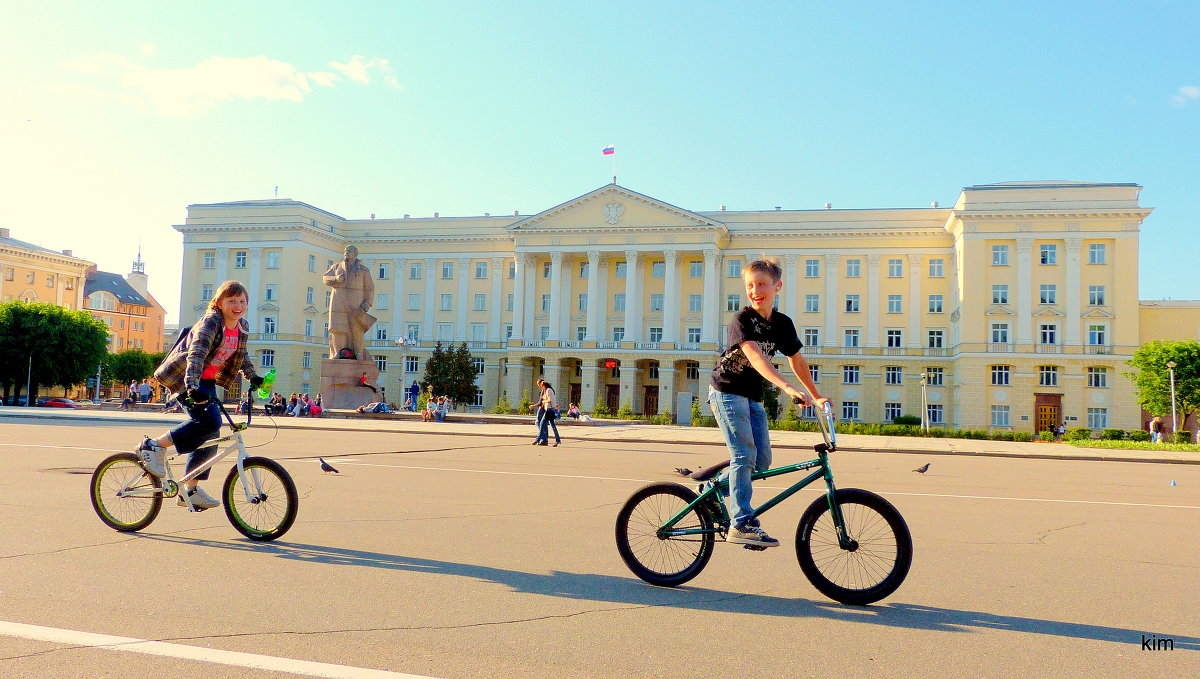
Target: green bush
[1183, 436]
[786, 425]
[1001, 435]
[1137, 435]
[1022, 436]
[790, 414]
[935, 433]
[695, 410]
[1112, 434]
[502, 407]
[1077, 434]
[906, 419]
[662, 418]
[1046, 435]
[601, 410]
[526, 406]
[626, 412]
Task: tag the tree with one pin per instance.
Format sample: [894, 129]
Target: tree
[451, 373]
[65, 345]
[1152, 378]
[770, 400]
[129, 365]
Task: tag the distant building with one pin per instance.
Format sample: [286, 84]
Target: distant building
[32, 273]
[134, 318]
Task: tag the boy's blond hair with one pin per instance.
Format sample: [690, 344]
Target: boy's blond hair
[767, 266]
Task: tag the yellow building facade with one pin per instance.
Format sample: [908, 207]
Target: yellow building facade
[1017, 306]
[32, 273]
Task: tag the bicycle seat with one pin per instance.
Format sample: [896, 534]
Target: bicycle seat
[709, 472]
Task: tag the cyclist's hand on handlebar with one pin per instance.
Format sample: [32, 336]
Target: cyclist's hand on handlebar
[196, 396]
[256, 382]
[798, 397]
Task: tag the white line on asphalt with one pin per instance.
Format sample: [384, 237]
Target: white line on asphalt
[161, 648]
[34, 445]
[348, 461]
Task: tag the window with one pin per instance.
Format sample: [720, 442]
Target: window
[999, 255]
[415, 271]
[308, 327]
[381, 332]
[1047, 376]
[935, 304]
[412, 331]
[382, 270]
[892, 374]
[1048, 253]
[481, 269]
[618, 334]
[656, 334]
[619, 302]
[1097, 418]
[206, 292]
[1000, 375]
[507, 333]
[934, 338]
[580, 332]
[851, 337]
[1049, 294]
[1095, 295]
[658, 269]
[448, 302]
[512, 269]
[239, 259]
[328, 295]
[812, 268]
[306, 361]
[1000, 416]
[414, 302]
[478, 332]
[1096, 335]
[411, 364]
[694, 303]
[272, 259]
[733, 268]
[693, 335]
[50, 281]
[210, 260]
[653, 371]
[308, 295]
[853, 268]
[583, 270]
[895, 339]
[692, 370]
[895, 268]
[448, 270]
[935, 413]
[894, 303]
[1049, 333]
[477, 364]
[733, 302]
[10, 273]
[268, 325]
[999, 294]
[381, 363]
[621, 269]
[29, 277]
[477, 401]
[999, 333]
[615, 373]
[812, 303]
[267, 358]
[814, 372]
[852, 304]
[312, 262]
[1096, 253]
[934, 377]
[695, 269]
[812, 337]
[270, 294]
[936, 268]
[656, 302]
[583, 301]
[1098, 377]
[480, 302]
[850, 374]
[849, 410]
[445, 331]
[381, 301]
[891, 411]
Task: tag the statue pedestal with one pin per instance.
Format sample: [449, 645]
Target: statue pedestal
[339, 383]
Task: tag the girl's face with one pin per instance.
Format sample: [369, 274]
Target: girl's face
[233, 307]
[761, 290]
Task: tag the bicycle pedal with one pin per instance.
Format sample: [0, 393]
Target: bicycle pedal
[755, 548]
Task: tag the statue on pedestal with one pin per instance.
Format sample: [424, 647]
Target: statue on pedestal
[353, 295]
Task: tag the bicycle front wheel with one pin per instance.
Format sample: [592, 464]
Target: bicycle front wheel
[141, 493]
[666, 561]
[271, 508]
[874, 565]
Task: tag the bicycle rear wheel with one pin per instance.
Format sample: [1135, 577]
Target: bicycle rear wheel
[269, 514]
[877, 562]
[131, 512]
[665, 561]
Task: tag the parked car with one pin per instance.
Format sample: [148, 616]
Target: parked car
[16, 401]
[57, 402]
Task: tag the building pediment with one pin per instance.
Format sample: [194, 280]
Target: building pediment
[1098, 313]
[999, 310]
[311, 310]
[268, 306]
[1048, 311]
[614, 208]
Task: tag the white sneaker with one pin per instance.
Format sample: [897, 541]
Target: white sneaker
[153, 457]
[200, 500]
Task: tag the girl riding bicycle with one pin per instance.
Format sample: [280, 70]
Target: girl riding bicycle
[211, 354]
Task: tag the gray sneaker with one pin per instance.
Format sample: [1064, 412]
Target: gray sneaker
[750, 535]
[153, 457]
[200, 500]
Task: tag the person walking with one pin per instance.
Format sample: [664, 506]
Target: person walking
[414, 392]
[145, 391]
[1156, 427]
[549, 407]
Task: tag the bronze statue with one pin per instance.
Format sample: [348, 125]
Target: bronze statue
[353, 295]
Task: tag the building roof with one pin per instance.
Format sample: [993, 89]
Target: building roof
[116, 285]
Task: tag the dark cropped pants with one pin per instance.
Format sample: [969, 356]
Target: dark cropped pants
[205, 424]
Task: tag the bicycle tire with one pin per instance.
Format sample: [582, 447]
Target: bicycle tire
[872, 571]
[266, 517]
[666, 562]
[128, 514]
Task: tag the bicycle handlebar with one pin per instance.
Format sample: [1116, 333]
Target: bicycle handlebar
[825, 421]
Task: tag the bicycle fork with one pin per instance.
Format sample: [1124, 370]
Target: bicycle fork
[835, 510]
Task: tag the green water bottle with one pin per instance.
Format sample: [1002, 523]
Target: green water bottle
[264, 390]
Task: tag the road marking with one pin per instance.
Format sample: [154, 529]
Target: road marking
[348, 461]
[35, 445]
[234, 658]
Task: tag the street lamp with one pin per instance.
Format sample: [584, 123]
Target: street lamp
[1171, 369]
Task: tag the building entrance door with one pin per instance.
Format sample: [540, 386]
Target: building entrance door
[651, 401]
[1047, 411]
[613, 397]
[576, 393]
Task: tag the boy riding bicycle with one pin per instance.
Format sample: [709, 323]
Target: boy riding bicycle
[736, 391]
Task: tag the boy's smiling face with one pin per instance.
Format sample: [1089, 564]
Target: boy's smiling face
[761, 290]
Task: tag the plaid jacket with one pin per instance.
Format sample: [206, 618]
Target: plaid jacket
[182, 367]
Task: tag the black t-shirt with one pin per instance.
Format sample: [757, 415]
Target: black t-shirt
[733, 373]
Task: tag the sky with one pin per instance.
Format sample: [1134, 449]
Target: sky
[114, 117]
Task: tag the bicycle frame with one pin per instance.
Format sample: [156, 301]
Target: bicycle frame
[711, 498]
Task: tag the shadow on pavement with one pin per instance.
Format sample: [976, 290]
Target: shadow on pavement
[629, 590]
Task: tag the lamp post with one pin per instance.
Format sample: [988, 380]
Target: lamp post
[1171, 369]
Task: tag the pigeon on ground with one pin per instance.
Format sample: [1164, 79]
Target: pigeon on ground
[683, 471]
[326, 467]
[922, 469]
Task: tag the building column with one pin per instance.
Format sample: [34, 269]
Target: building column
[671, 315]
[566, 327]
[595, 305]
[556, 302]
[553, 374]
[427, 330]
[666, 389]
[590, 386]
[629, 372]
[1024, 293]
[915, 304]
[399, 273]
[460, 332]
[518, 317]
[1073, 331]
[711, 314]
[222, 266]
[496, 332]
[831, 300]
[633, 296]
[531, 306]
[872, 301]
[791, 286]
[254, 288]
[492, 383]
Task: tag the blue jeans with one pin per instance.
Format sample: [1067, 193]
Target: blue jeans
[545, 423]
[204, 425]
[744, 424]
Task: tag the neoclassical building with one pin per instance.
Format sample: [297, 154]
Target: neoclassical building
[1016, 307]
